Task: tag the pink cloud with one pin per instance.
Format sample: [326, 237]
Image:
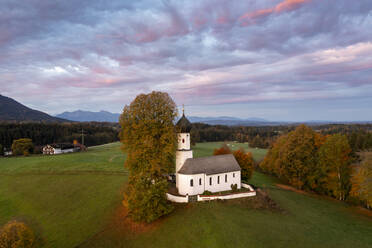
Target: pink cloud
[284, 6]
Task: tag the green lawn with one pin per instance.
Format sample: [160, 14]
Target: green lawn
[70, 200]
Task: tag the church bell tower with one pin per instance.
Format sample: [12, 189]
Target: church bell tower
[184, 151]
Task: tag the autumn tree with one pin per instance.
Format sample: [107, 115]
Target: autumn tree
[22, 147]
[246, 163]
[16, 234]
[224, 149]
[361, 180]
[149, 139]
[334, 162]
[293, 157]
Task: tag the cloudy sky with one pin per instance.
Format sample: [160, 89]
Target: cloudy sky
[290, 60]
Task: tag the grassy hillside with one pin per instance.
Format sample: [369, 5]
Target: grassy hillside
[72, 200]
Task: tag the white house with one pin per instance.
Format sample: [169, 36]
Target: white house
[197, 175]
[58, 149]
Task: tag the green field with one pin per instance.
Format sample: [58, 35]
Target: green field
[70, 201]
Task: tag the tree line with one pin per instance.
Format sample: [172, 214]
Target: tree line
[95, 133]
[359, 135]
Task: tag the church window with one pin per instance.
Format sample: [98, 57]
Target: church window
[218, 179]
[226, 178]
[200, 183]
[210, 181]
[233, 174]
[183, 140]
[192, 183]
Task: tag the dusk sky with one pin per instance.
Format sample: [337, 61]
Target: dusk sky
[293, 60]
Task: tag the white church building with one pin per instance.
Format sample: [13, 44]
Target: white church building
[197, 175]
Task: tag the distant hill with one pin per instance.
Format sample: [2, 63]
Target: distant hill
[82, 116]
[11, 110]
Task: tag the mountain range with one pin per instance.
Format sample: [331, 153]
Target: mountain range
[105, 116]
[11, 110]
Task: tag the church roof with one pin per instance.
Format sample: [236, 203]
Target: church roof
[210, 165]
[183, 125]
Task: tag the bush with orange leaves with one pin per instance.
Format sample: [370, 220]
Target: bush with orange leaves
[16, 234]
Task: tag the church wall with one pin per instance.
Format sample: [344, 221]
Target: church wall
[185, 187]
[222, 186]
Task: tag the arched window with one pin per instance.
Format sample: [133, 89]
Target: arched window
[183, 140]
[210, 181]
[226, 178]
[200, 182]
[218, 179]
[192, 183]
[233, 174]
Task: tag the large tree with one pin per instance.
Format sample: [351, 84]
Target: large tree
[149, 139]
[334, 161]
[293, 157]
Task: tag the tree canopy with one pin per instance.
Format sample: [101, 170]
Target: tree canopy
[148, 137]
[294, 157]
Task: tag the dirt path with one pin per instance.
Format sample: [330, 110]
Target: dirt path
[290, 188]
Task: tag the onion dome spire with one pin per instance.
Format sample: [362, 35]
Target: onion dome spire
[183, 125]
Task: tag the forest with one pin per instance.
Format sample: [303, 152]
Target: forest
[95, 133]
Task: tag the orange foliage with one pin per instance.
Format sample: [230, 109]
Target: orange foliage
[222, 150]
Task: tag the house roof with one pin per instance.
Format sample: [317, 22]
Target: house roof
[183, 125]
[210, 165]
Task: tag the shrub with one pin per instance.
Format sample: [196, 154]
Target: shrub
[22, 147]
[234, 187]
[16, 235]
[207, 192]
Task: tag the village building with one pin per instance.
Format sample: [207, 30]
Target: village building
[197, 175]
[59, 149]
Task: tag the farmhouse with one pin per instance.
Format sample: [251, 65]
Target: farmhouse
[58, 149]
[197, 175]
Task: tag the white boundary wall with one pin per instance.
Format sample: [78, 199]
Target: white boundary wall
[225, 197]
[185, 199]
[247, 186]
[180, 199]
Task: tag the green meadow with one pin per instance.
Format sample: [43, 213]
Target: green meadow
[71, 200]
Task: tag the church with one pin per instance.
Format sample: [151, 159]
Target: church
[197, 175]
